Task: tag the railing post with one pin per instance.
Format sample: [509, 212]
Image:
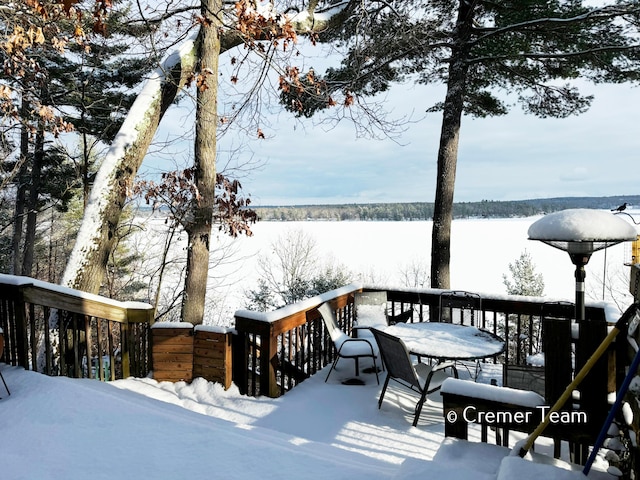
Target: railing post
[21, 331]
[124, 343]
[556, 345]
[88, 344]
[240, 361]
[268, 362]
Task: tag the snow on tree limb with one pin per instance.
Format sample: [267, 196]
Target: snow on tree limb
[87, 262]
[119, 167]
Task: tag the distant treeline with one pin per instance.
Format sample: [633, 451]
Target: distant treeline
[424, 210]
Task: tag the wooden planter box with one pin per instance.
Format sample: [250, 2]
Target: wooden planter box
[172, 349]
[212, 354]
[182, 353]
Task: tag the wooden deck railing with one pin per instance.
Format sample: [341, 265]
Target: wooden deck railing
[61, 331]
[275, 351]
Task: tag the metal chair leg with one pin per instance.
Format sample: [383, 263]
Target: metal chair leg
[5, 383]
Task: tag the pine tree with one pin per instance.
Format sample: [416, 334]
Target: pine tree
[524, 281]
[524, 278]
[488, 54]
[83, 87]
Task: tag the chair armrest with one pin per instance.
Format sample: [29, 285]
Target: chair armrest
[349, 339]
[356, 328]
[359, 340]
[400, 318]
[443, 365]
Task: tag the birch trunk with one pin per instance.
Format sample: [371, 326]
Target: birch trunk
[86, 266]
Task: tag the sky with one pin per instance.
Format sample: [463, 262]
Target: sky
[58, 427]
[513, 157]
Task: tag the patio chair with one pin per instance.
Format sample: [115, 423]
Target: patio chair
[465, 308]
[347, 347]
[372, 312]
[422, 378]
[461, 307]
[1, 353]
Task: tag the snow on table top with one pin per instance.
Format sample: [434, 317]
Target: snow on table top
[446, 340]
[582, 224]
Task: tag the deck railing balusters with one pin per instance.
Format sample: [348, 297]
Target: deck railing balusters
[278, 352]
[26, 307]
[503, 317]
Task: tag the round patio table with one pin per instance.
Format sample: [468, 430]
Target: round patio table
[447, 341]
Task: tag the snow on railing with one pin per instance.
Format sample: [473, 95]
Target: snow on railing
[91, 336]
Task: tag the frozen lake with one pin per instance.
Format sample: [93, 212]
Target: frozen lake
[378, 252]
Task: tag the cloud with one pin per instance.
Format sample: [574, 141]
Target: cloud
[500, 158]
[577, 174]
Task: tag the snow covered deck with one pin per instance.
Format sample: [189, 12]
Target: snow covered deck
[278, 351]
[139, 428]
[290, 340]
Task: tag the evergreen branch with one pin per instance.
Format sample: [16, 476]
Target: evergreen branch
[550, 56]
[603, 13]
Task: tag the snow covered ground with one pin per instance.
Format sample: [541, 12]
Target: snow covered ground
[61, 428]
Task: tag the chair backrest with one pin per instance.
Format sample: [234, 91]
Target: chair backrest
[460, 307]
[371, 309]
[331, 322]
[396, 358]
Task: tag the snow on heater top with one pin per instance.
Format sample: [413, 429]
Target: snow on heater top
[582, 230]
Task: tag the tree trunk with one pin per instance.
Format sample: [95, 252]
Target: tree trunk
[199, 231]
[32, 210]
[86, 157]
[448, 153]
[21, 192]
[86, 266]
[87, 262]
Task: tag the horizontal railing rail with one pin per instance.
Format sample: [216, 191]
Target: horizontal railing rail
[60, 331]
[275, 351]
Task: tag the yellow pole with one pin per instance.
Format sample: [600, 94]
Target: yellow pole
[569, 390]
[623, 321]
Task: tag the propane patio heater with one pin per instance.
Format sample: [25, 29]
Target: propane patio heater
[580, 232]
